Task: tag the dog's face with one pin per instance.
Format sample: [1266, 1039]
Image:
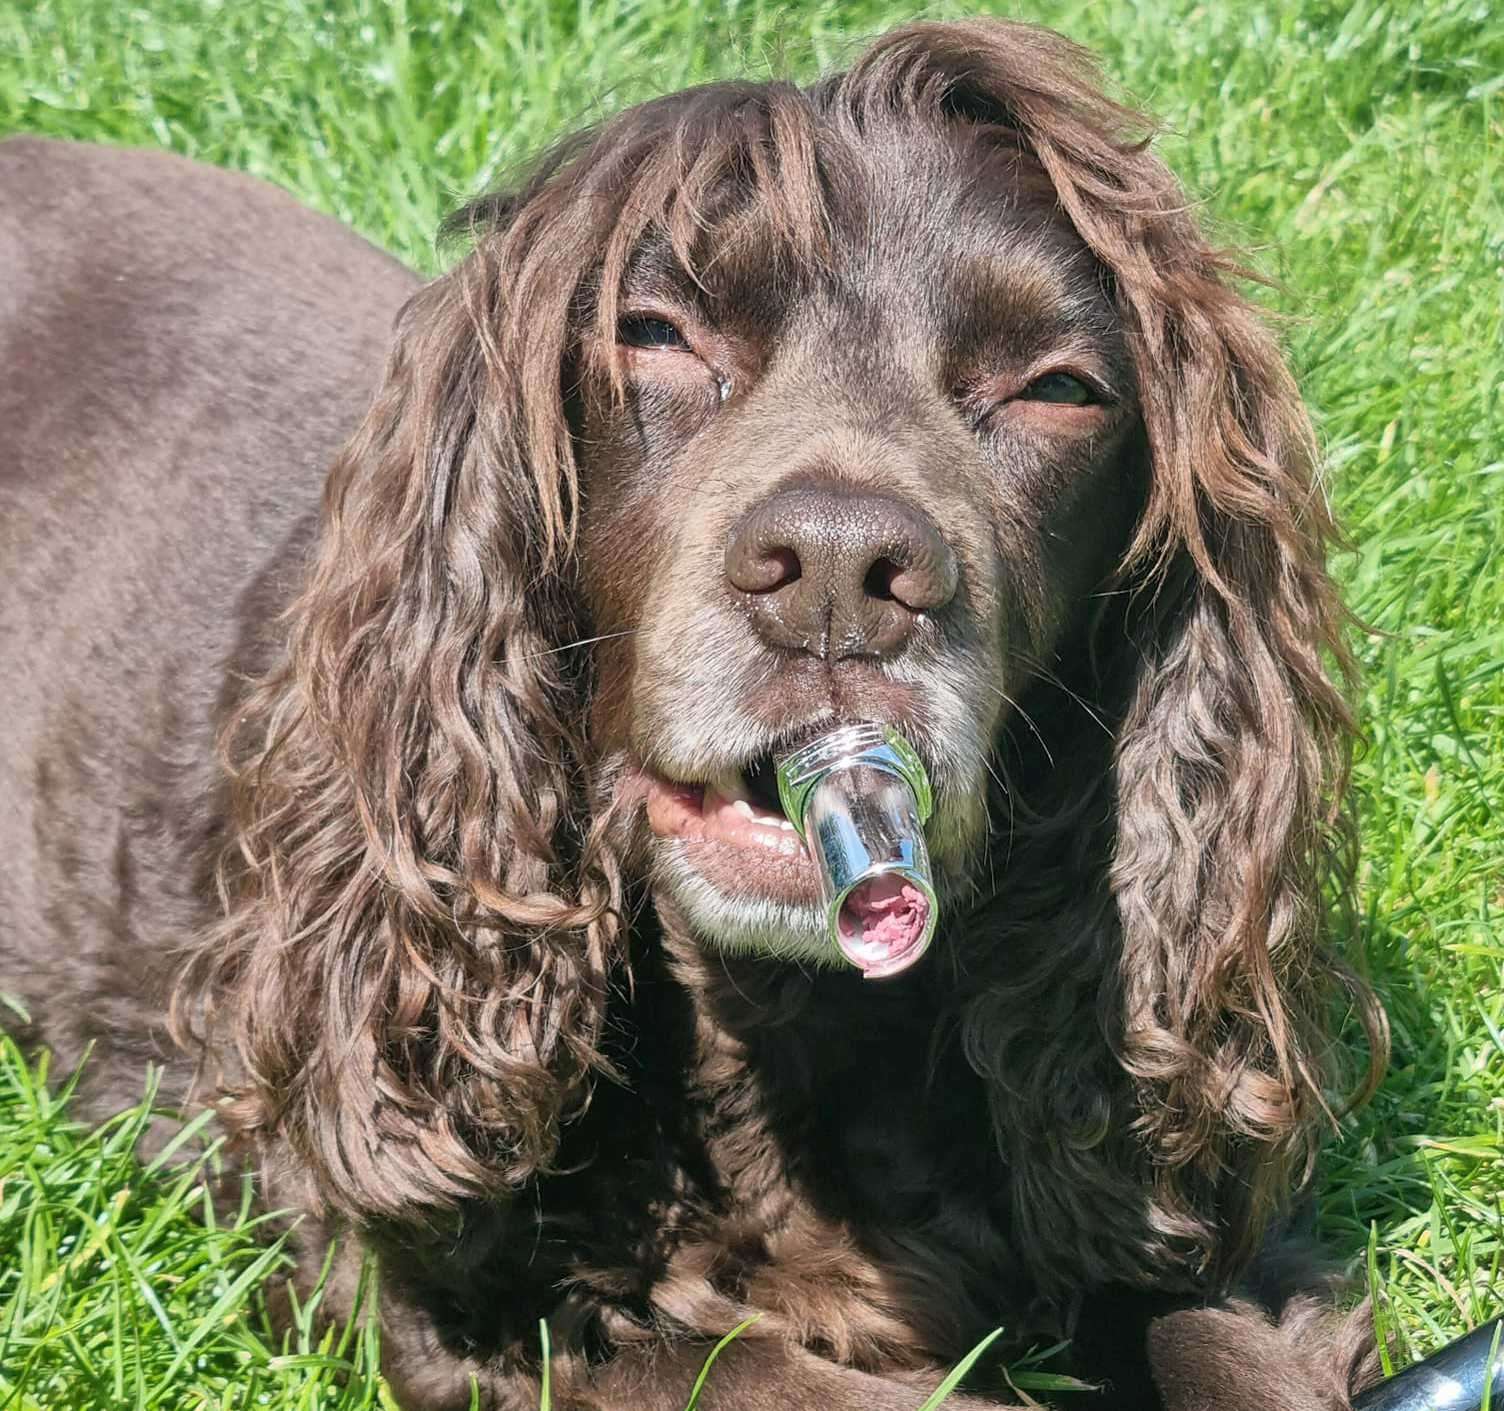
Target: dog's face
[879, 490]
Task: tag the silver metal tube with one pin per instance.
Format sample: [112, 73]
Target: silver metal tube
[860, 798]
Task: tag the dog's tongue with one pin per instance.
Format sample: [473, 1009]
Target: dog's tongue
[881, 923]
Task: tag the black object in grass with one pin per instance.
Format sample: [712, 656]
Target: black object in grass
[1454, 1379]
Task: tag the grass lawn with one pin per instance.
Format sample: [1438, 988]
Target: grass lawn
[1354, 145]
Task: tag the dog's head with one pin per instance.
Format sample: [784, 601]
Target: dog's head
[858, 445]
[756, 409]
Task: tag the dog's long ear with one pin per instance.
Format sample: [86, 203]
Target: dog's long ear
[1231, 760]
[422, 907]
[420, 918]
[1232, 763]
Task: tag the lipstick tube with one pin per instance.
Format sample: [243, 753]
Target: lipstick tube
[859, 797]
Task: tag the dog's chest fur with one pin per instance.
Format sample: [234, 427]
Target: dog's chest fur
[780, 1143]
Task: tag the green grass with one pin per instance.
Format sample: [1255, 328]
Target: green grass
[1354, 144]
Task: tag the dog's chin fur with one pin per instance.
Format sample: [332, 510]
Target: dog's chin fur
[754, 926]
[758, 925]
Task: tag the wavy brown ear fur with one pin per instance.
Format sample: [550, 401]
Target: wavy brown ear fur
[422, 910]
[1231, 757]
[413, 967]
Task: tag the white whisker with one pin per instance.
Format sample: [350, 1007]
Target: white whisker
[1008, 799]
[1054, 680]
[1027, 719]
[582, 642]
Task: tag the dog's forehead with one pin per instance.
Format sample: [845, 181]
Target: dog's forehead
[914, 193]
[953, 230]
[967, 234]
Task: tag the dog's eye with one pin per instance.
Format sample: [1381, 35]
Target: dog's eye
[1059, 387]
[642, 331]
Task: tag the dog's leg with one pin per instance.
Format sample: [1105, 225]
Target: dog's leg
[1237, 1357]
[427, 1371]
[751, 1375]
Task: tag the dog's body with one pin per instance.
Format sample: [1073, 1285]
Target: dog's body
[528, 1108]
[185, 351]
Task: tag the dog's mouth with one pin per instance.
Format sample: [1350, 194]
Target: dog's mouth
[737, 810]
[745, 874]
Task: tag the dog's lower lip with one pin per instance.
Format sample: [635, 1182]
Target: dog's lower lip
[756, 857]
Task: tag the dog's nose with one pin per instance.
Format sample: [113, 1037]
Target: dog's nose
[839, 572]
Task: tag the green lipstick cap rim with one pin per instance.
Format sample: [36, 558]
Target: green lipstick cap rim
[876, 746]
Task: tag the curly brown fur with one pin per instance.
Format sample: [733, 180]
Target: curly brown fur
[471, 1000]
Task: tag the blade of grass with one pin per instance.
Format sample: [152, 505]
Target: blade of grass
[959, 1371]
[721, 1346]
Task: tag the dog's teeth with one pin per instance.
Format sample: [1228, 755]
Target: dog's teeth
[743, 807]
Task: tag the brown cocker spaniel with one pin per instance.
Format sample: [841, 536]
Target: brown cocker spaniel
[913, 396]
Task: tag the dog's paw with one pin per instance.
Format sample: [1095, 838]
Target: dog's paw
[1233, 1358]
